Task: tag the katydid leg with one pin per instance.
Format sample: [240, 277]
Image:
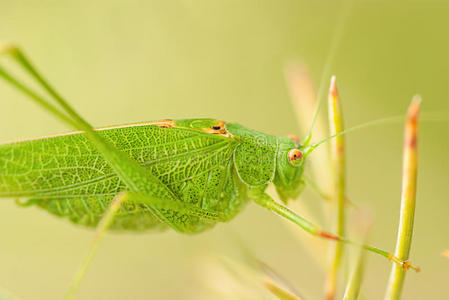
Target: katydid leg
[266, 201]
[138, 179]
[145, 187]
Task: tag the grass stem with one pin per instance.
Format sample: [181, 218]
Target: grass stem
[408, 200]
[355, 281]
[99, 234]
[338, 185]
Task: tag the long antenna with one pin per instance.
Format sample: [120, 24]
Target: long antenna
[427, 117]
[327, 65]
[388, 120]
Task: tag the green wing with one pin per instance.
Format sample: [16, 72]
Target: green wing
[68, 177]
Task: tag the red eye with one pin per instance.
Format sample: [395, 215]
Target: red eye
[295, 157]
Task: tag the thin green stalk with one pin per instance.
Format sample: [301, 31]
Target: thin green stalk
[338, 186]
[355, 281]
[99, 234]
[362, 224]
[408, 200]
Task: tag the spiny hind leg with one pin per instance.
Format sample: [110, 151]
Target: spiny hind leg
[72, 118]
[65, 113]
[266, 201]
[18, 55]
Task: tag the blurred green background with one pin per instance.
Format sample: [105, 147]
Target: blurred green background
[128, 61]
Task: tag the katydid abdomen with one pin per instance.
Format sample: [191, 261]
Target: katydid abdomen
[68, 177]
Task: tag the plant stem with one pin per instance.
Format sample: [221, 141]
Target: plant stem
[338, 193]
[355, 281]
[408, 200]
[362, 226]
[279, 291]
[99, 234]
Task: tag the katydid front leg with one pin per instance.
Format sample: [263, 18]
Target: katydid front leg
[266, 201]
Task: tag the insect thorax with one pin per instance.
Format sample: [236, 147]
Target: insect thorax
[255, 156]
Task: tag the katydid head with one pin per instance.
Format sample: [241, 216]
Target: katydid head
[289, 168]
[293, 153]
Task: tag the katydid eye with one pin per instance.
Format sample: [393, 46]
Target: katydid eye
[295, 157]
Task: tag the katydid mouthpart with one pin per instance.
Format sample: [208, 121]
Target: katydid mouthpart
[181, 174]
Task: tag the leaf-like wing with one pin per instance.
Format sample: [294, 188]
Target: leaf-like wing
[67, 175]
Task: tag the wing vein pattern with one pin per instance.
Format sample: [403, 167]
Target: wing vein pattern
[67, 176]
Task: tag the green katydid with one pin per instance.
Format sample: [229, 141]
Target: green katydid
[181, 174]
